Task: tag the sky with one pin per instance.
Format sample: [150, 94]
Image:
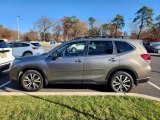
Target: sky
[103, 10]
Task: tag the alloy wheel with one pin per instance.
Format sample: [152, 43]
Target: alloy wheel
[121, 83]
[32, 81]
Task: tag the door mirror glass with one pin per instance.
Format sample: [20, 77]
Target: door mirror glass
[55, 56]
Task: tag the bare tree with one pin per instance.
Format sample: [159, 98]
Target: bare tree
[44, 25]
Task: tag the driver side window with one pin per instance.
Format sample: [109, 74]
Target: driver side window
[72, 49]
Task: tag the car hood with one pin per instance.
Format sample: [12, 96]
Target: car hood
[33, 57]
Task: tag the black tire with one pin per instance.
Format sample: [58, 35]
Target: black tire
[27, 54]
[123, 85]
[33, 83]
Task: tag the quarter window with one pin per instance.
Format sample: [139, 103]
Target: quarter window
[100, 47]
[24, 45]
[123, 46]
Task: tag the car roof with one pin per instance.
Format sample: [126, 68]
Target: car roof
[109, 39]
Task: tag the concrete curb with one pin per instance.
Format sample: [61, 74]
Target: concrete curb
[77, 94]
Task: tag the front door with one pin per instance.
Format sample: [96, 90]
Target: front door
[67, 66]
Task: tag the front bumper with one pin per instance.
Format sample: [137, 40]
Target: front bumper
[13, 73]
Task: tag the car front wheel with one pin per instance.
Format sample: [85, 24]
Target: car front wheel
[121, 82]
[32, 80]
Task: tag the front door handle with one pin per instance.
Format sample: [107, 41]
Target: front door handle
[112, 59]
[78, 61]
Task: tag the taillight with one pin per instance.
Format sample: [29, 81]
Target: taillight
[146, 56]
[34, 48]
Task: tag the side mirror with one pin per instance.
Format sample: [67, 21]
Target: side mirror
[55, 56]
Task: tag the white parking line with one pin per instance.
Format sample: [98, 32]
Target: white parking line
[154, 85]
[5, 84]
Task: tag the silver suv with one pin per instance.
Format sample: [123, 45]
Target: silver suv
[118, 63]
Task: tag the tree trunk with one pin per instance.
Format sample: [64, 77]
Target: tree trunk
[158, 35]
[44, 36]
[139, 33]
[116, 32]
[140, 30]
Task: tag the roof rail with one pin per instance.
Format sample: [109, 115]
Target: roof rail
[84, 37]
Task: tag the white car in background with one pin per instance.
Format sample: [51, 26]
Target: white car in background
[6, 56]
[26, 48]
[157, 48]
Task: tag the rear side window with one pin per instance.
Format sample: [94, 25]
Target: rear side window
[3, 44]
[36, 44]
[25, 45]
[123, 46]
[100, 47]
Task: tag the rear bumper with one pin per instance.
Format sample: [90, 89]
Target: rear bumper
[5, 66]
[143, 80]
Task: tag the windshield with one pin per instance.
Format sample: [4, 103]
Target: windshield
[3, 44]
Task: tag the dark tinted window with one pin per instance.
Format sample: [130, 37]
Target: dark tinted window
[123, 46]
[24, 45]
[11, 45]
[17, 45]
[3, 44]
[100, 48]
[36, 44]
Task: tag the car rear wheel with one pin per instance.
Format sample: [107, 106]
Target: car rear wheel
[121, 82]
[32, 80]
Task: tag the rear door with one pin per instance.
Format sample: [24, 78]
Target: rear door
[19, 48]
[100, 59]
[16, 47]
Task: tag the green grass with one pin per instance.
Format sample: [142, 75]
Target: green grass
[78, 107]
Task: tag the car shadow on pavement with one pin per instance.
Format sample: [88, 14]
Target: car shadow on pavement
[154, 71]
[66, 106]
[78, 88]
[15, 87]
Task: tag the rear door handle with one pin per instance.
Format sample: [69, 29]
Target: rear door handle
[112, 59]
[78, 61]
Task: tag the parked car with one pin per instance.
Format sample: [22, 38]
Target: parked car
[5, 56]
[26, 48]
[157, 48]
[118, 63]
[151, 47]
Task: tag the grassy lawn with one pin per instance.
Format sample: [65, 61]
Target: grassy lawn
[78, 107]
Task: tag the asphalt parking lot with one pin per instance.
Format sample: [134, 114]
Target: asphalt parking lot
[151, 88]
